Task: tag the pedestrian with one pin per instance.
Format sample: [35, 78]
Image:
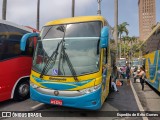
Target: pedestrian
[114, 76]
[121, 73]
[128, 73]
[141, 75]
[135, 72]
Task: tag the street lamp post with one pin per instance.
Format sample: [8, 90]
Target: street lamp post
[4, 9]
[99, 7]
[38, 10]
[116, 24]
[73, 7]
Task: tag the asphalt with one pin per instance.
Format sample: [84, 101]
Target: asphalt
[124, 100]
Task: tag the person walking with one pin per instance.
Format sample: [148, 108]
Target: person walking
[128, 73]
[141, 75]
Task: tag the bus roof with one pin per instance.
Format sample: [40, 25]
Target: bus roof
[76, 19]
[15, 25]
[154, 29]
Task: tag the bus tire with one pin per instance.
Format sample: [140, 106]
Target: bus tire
[22, 90]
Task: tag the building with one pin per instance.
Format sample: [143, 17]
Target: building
[147, 17]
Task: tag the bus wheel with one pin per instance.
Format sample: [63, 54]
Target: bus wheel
[21, 91]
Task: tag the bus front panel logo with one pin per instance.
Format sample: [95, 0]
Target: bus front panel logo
[55, 72]
[56, 93]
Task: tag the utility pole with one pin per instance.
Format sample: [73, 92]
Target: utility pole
[38, 12]
[116, 24]
[73, 7]
[99, 7]
[4, 9]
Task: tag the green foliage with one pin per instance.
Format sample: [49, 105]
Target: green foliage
[122, 29]
[131, 44]
[126, 43]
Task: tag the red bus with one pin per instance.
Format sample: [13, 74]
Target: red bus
[15, 65]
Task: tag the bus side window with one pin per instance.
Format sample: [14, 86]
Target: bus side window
[11, 46]
[3, 46]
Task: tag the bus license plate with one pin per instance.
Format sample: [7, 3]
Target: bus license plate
[56, 102]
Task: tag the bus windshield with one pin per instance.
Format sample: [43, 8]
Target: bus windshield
[81, 43]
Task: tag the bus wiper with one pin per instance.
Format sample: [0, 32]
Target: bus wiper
[47, 32]
[53, 58]
[63, 57]
[54, 54]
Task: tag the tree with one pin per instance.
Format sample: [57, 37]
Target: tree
[122, 29]
[124, 39]
[131, 40]
[4, 9]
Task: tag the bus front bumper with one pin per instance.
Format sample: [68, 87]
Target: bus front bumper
[91, 101]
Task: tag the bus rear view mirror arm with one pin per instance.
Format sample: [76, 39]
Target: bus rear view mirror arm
[104, 37]
[25, 38]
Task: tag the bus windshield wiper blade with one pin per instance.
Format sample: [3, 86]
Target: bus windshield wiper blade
[64, 56]
[53, 58]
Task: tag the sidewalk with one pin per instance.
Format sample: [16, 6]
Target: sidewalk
[149, 99]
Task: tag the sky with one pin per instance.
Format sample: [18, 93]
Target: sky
[23, 12]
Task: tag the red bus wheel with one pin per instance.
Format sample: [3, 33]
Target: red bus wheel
[21, 91]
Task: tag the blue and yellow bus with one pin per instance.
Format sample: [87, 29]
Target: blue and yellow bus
[151, 52]
[68, 63]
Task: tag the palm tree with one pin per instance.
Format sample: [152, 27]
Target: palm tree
[131, 40]
[122, 29]
[124, 39]
[134, 39]
[4, 9]
[38, 9]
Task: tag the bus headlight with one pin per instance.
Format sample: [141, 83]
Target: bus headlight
[91, 89]
[33, 85]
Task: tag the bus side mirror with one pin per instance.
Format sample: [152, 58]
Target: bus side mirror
[25, 38]
[104, 37]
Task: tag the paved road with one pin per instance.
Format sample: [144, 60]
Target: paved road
[122, 101]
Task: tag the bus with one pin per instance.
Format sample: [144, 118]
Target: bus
[136, 63]
[121, 62]
[72, 63]
[15, 64]
[150, 50]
